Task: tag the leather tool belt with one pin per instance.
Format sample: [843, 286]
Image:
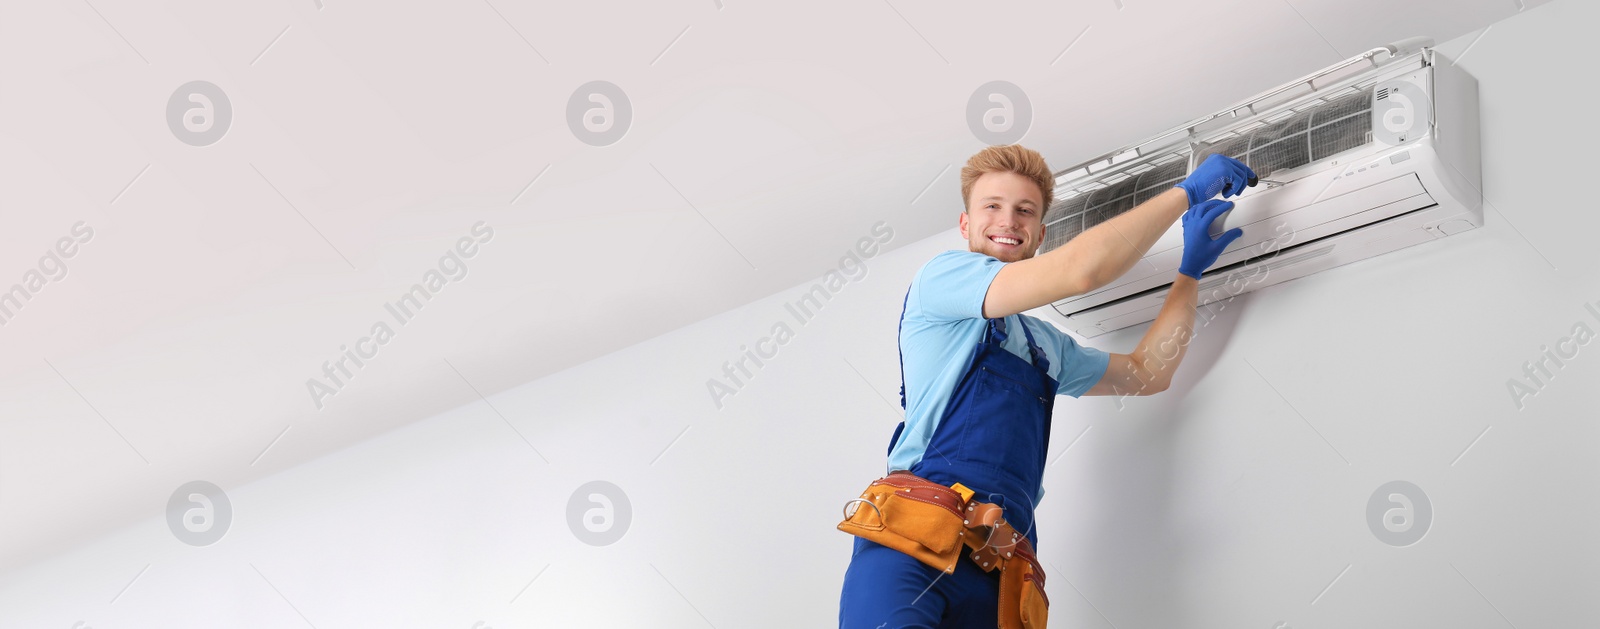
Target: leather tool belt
[933, 523]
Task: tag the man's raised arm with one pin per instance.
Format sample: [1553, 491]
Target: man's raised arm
[1104, 252]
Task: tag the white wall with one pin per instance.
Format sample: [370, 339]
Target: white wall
[1233, 500]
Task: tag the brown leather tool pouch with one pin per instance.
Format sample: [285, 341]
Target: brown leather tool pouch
[1022, 600]
[910, 514]
[996, 545]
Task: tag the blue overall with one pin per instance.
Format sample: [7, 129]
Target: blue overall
[992, 438]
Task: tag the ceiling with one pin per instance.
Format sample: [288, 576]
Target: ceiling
[177, 341]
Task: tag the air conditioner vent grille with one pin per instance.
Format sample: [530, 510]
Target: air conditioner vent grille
[1340, 136]
[1311, 135]
[1072, 216]
[1356, 102]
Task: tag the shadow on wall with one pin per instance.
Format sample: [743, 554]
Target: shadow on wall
[1134, 542]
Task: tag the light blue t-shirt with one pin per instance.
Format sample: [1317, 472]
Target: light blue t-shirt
[942, 328]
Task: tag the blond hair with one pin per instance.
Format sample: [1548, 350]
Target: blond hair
[1012, 158]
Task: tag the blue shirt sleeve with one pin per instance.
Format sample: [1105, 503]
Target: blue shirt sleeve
[953, 284]
[1075, 367]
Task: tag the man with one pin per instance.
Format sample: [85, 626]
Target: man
[980, 377]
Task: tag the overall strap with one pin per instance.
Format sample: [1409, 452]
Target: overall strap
[996, 333]
[895, 438]
[902, 352]
[1040, 360]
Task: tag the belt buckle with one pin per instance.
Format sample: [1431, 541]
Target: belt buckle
[966, 493]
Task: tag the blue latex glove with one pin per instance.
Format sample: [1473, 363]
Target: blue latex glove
[1200, 251]
[1219, 173]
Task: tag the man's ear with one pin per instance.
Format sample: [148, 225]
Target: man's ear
[963, 223]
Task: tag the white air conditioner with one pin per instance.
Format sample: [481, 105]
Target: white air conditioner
[1376, 153]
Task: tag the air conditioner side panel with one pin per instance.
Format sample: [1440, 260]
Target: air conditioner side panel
[1455, 103]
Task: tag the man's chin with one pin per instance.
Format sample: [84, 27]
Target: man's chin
[1016, 254]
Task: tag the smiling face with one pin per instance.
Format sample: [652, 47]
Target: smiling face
[1004, 217]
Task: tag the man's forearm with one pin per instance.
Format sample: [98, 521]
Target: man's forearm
[1157, 356]
[1113, 247]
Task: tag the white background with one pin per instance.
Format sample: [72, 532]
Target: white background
[1235, 499]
